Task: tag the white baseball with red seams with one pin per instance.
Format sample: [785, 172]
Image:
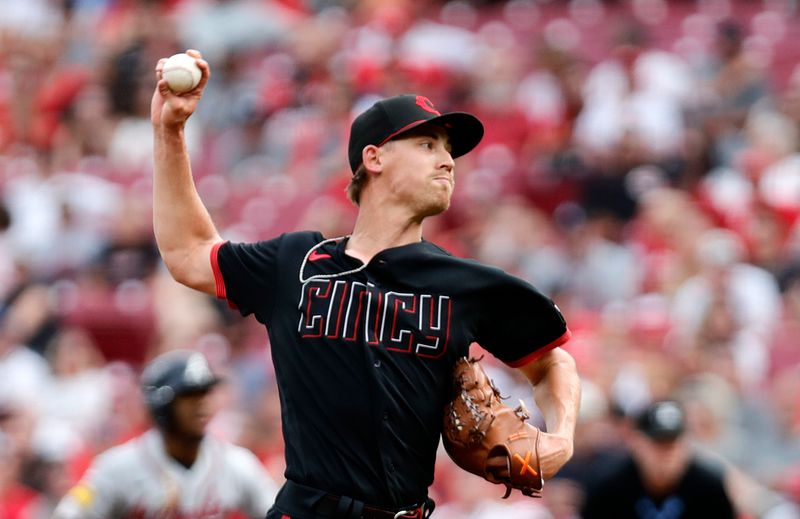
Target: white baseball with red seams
[181, 72]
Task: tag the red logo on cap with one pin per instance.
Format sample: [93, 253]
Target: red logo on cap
[426, 104]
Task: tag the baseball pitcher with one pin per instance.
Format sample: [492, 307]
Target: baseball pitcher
[367, 329]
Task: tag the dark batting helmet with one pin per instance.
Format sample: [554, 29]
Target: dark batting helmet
[172, 374]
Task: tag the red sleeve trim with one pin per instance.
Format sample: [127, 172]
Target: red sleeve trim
[541, 351]
[219, 281]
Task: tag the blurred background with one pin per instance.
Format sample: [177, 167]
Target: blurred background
[641, 166]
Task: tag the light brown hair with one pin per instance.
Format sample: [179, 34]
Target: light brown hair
[356, 184]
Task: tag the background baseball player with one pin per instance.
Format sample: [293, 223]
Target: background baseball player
[174, 470]
[365, 330]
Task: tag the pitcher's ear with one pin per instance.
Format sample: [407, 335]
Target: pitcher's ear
[371, 157]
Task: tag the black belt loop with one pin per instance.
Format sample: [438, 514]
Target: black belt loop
[358, 508]
[343, 508]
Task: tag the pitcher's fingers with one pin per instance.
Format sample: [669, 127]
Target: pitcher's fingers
[160, 67]
[205, 70]
[163, 88]
[194, 53]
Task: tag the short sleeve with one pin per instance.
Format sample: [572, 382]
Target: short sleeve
[94, 497]
[258, 490]
[245, 275]
[517, 323]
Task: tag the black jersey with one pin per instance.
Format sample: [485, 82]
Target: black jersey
[363, 353]
[618, 492]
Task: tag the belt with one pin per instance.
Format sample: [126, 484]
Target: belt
[339, 506]
[296, 499]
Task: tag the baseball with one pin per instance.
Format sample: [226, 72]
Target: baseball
[181, 72]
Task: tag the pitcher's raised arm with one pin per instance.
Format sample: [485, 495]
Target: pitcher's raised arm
[183, 228]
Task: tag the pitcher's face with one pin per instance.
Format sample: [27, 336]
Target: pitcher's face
[419, 170]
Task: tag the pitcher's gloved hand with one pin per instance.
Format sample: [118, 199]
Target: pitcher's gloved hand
[488, 438]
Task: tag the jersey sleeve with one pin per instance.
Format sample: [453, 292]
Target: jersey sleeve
[245, 275]
[258, 490]
[94, 497]
[517, 323]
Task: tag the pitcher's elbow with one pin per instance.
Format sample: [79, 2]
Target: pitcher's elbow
[191, 266]
[178, 266]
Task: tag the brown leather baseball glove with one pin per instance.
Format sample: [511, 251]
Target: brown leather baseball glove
[488, 438]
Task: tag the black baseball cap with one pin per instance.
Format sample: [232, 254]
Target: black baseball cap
[391, 117]
[662, 421]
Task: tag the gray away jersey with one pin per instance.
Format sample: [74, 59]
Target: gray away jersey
[138, 480]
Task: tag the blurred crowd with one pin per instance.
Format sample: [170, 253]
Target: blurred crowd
[641, 166]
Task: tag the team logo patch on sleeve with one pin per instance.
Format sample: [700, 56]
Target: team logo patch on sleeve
[83, 494]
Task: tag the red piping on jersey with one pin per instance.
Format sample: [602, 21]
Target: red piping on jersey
[541, 351]
[219, 282]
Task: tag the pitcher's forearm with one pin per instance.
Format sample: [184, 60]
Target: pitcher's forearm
[557, 390]
[558, 394]
[181, 223]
